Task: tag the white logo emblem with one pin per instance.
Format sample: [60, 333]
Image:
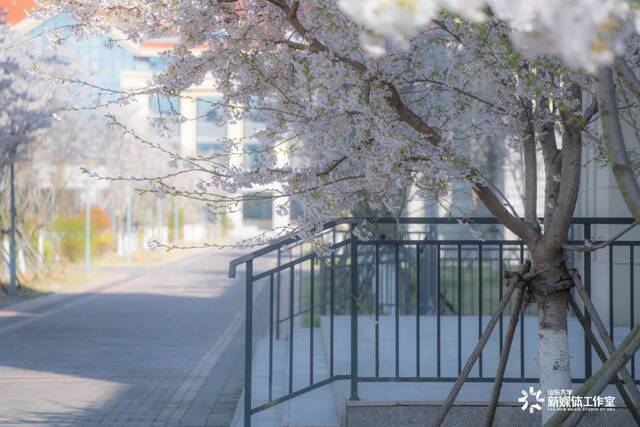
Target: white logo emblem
[525, 400]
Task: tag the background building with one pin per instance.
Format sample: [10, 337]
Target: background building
[110, 63]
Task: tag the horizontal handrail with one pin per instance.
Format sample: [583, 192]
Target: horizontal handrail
[296, 261]
[284, 241]
[292, 238]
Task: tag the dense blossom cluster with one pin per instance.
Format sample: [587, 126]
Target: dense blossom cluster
[344, 126]
[585, 33]
[26, 106]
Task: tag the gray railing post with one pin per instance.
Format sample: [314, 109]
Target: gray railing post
[587, 285]
[278, 296]
[248, 341]
[354, 316]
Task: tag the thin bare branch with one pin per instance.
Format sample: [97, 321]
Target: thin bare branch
[530, 170]
[614, 142]
[591, 248]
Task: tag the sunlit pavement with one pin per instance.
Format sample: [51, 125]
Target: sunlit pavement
[162, 345]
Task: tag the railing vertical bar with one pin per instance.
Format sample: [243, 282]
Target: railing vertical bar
[311, 291]
[406, 284]
[332, 310]
[631, 299]
[346, 300]
[248, 342]
[397, 293]
[500, 291]
[587, 286]
[611, 292]
[480, 304]
[390, 283]
[291, 301]
[439, 310]
[418, 310]
[354, 316]
[459, 308]
[278, 296]
[322, 263]
[300, 276]
[271, 337]
[522, 324]
[377, 310]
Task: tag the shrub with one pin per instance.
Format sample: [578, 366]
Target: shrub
[71, 230]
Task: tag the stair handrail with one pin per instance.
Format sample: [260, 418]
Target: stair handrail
[293, 237]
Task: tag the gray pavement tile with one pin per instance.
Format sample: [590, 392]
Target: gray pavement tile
[118, 357]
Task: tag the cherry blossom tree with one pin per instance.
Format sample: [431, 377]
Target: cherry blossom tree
[363, 99]
[25, 108]
[26, 111]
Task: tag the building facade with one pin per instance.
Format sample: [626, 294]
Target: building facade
[113, 64]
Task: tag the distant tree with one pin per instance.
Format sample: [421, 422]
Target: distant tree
[26, 108]
[25, 111]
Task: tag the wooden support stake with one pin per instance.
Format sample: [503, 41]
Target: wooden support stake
[473, 357]
[603, 357]
[599, 325]
[504, 357]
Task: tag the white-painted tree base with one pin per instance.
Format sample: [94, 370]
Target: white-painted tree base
[553, 364]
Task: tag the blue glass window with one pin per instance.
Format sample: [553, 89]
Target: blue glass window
[257, 209]
[210, 130]
[253, 122]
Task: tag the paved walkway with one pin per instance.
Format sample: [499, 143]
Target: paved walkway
[160, 345]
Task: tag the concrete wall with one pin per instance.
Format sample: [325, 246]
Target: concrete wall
[419, 414]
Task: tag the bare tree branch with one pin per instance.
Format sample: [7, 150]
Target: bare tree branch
[629, 77]
[530, 171]
[614, 142]
[497, 209]
[571, 167]
[590, 112]
[591, 248]
[551, 157]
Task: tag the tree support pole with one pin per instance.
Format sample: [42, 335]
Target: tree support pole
[504, 357]
[446, 406]
[603, 357]
[599, 325]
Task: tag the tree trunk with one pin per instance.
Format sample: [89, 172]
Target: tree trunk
[553, 344]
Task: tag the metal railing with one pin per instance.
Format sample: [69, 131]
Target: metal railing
[396, 273]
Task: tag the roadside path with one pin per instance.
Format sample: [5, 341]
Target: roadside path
[158, 345]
